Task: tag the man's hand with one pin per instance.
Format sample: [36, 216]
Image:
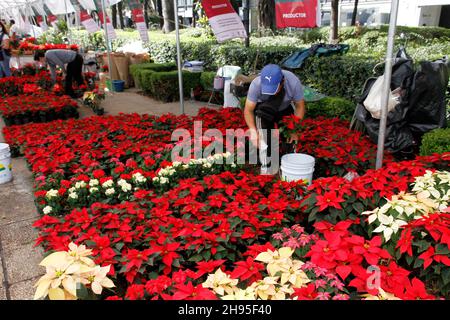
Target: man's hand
[293, 138]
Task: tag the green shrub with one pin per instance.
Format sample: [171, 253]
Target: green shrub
[164, 85]
[139, 70]
[331, 107]
[207, 79]
[342, 76]
[436, 141]
[161, 81]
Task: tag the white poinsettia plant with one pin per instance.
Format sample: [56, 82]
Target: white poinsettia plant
[430, 194]
[68, 271]
[209, 165]
[284, 274]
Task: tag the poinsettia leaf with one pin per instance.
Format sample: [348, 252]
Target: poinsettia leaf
[310, 201]
[82, 292]
[445, 274]
[220, 248]
[196, 258]
[442, 248]
[409, 259]
[176, 263]
[123, 269]
[119, 245]
[207, 255]
[422, 245]
[358, 207]
[312, 215]
[418, 263]
[90, 243]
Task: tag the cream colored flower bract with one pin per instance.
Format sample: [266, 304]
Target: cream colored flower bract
[382, 295]
[65, 270]
[431, 194]
[284, 274]
[96, 277]
[220, 283]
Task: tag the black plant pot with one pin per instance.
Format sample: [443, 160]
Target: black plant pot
[18, 120]
[8, 121]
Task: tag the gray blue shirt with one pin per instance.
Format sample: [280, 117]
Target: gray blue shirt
[292, 86]
[59, 57]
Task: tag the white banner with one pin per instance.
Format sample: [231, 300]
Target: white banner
[143, 31]
[227, 26]
[225, 22]
[110, 3]
[59, 7]
[111, 31]
[88, 4]
[89, 23]
[39, 7]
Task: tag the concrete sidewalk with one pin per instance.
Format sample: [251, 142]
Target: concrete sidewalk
[19, 259]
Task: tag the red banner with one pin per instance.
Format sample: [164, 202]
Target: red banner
[51, 18]
[39, 20]
[138, 15]
[84, 15]
[296, 13]
[217, 7]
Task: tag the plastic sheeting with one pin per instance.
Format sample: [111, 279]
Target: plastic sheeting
[422, 106]
[297, 59]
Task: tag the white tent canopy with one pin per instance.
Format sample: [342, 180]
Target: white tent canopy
[56, 6]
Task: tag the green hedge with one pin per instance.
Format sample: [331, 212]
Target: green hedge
[331, 107]
[436, 141]
[207, 79]
[342, 76]
[161, 81]
[336, 75]
[137, 70]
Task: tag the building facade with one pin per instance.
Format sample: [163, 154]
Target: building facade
[375, 12]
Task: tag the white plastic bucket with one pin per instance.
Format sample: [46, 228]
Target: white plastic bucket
[5, 163]
[297, 166]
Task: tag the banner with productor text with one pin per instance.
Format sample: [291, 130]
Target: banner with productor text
[138, 18]
[225, 22]
[297, 13]
[89, 23]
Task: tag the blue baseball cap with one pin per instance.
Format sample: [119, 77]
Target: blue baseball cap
[271, 77]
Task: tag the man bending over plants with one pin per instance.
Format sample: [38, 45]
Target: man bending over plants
[61, 58]
[271, 97]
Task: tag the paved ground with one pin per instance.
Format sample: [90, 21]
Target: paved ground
[19, 259]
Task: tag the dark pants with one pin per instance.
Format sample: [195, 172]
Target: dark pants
[264, 128]
[74, 72]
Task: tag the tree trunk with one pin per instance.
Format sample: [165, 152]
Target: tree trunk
[169, 16]
[120, 9]
[160, 13]
[266, 9]
[114, 15]
[146, 13]
[355, 13]
[334, 35]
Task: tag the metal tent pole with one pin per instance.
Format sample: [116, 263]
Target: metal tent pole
[180, 74]
[108, 45]
[387, 83]
[29, 17]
